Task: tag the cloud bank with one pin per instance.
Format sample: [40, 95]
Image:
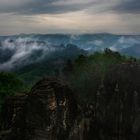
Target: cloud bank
[128, 6]
[23, 51]
[63, 6]
[62, 16]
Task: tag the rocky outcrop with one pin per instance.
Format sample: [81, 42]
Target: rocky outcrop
[9, 111]
[11, 107]
[118, 103]
[49, 112]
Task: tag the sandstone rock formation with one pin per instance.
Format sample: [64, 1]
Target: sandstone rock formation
[10, 108]
[119, 103]
[49, 112]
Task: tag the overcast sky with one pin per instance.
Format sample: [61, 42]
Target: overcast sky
[69, 16]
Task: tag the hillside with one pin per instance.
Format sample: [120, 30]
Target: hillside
[96, 96]
[86, 96]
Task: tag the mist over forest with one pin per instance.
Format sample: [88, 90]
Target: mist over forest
[21, 50]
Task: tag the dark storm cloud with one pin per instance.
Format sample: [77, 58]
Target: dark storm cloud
[128, 6]
[19, 6]
[56, 9]
[64, 6]
[43, 6]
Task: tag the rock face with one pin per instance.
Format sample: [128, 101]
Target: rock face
[49, 113]
[118, 111]
[10, 108]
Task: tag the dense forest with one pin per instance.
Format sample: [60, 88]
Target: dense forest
[89, 97]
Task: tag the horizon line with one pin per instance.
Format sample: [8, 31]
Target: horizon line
[107, 33]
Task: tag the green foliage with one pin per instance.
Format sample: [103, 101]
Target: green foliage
[9, 85]
[89, 71]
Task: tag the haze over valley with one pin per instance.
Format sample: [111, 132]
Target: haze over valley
[20, 50]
